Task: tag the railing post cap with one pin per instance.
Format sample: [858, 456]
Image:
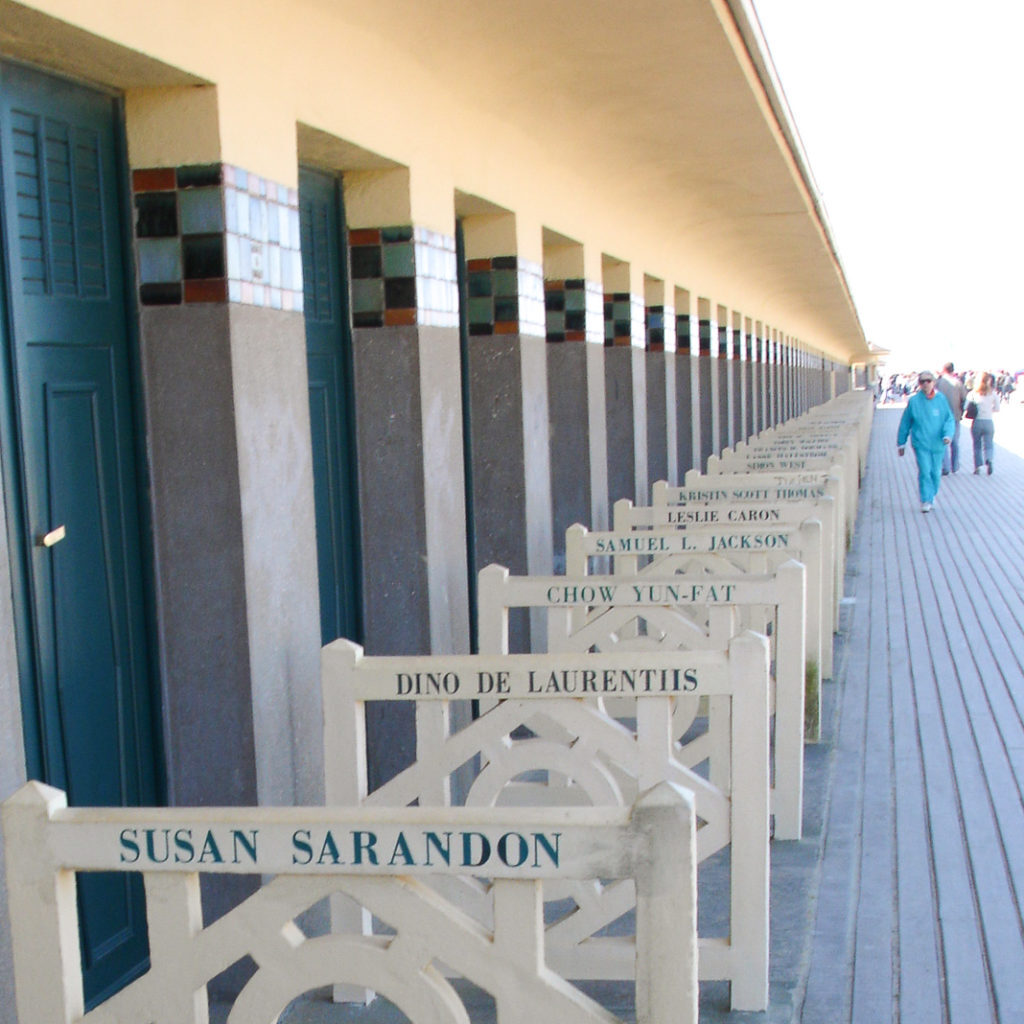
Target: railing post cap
[35, 794]
[342, 648]
[749, 638]
[664, 794]
[494, 570]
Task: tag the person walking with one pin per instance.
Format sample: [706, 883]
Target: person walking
[928, 422]
[950, 385]
[983, 429]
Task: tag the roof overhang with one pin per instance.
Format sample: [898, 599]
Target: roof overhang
[675, 111]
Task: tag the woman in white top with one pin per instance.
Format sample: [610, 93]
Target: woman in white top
[986, 398]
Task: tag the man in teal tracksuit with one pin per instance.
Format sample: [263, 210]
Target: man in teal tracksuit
[928, 421]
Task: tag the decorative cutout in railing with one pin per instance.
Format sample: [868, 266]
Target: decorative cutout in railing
[668, 612]
[382, 860]
[607, 614]
[575, 754]
[683, 507]
[715, 549]
[709, 552]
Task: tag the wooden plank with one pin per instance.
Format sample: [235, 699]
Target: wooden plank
[874, 985]
[919, 960]
[924, 850]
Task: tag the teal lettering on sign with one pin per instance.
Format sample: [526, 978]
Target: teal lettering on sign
[401, 850]
[584, 594]
[749, 542]
[754, 515]
[185, 846]
[638, 545]
[693, 515]
[672, 593]
[325, 847]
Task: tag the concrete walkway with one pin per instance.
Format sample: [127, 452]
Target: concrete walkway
[903, 901]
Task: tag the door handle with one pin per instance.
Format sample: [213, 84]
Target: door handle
[55, 536]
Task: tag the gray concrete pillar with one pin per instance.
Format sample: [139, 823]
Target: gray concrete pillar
[408, 417]
[687, 437]
[576, 403]
[626, 409]
[707, 392]
[509, 419]
[750, 396]
[237, 607]
[774, 379]
[412, 494]
[760, 380]
[656, 373]
[726, 398]
[625, 392]
[740, 400]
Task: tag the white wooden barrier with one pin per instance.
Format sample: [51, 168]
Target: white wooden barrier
[817, 435]
[382, 860]
[841, 428]
[671, 612]
[851, 412]
[707, 550]
[686, 506]
[786, 455]
[775, 489]
[781, 485]
[575, 754]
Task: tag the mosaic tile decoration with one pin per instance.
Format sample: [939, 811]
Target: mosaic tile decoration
[505, 295]
[215, 233]
[661, 329]
[684, 334]
[403, 275]
[739, 345]
[724, 342]
[623, 319]
[705, 329]
[574, 310]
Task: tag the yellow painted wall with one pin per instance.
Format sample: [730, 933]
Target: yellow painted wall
[450, 96]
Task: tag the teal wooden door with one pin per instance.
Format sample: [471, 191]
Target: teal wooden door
[329, 360]
[70, 437]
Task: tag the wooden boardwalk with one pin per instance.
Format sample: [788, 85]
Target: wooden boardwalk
[919, 909]
[903, 902]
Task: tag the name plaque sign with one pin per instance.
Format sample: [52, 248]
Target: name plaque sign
[569, 842]
[532, 676]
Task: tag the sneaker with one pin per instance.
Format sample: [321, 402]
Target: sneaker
[989, 464]
[977, 471]
[926, 506]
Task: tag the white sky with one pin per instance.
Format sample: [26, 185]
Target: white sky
[911, 113]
